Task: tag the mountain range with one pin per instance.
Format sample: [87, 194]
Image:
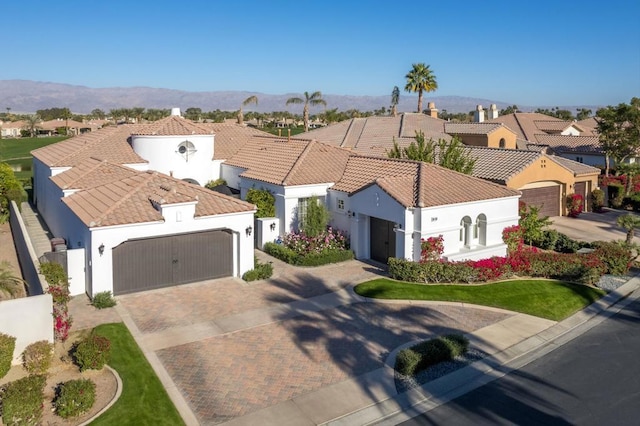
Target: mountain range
[25, 96]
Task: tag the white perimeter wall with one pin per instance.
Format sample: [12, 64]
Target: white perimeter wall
[29, 320]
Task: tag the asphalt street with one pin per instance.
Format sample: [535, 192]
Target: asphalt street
[592, 380]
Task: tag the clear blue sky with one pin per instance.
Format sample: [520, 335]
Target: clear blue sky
[545, 52]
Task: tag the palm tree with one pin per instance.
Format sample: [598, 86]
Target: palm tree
[32, 124]
[249, 100]
[309, 99]
[420, 79]
[9, 282]
[629, 222]
[395, 99]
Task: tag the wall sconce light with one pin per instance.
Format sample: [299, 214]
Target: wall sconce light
[273, 226]
[397, 226]
[348, 212]
[101, 249]
[248, 231]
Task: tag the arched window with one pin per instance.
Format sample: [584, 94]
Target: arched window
[502, 143]
[480, 229]
[465, 231]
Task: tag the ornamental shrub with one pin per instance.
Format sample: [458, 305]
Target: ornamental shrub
[7, 346]
[597, 200]
[264, 201]
[325, 257]
[616, 195]
[316, 218]
[281, 252]
[426, 354]
[564, 244]
[575, 205]
[548, 239]
[37, 357]
[74, 397]
[513, 237]
[405, 270]
[103, 300]
[617, 257]
[431, 248]
[260, 272]
[93, 352]
[22, 401]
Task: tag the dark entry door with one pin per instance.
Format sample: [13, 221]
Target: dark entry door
[150, 263]
[383, 239]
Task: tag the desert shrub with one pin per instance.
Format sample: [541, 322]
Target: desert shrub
[425, 354]
[37, 357]
[597, 200]
[7, 346]
[407, 362]
[616, 257]
[405, 270]
[548, 240]
[260, 272]
[22, 401]
[74, 398]
[103, 300]
[531, 223]
[92, 353]
[280, 252]
[564, 244]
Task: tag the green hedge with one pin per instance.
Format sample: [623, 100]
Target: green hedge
[423, 355]
[287, 255]
[261, 271]
[432, 272]
[22, 401]
[7, 346]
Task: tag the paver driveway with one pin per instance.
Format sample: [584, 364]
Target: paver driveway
[232, 348]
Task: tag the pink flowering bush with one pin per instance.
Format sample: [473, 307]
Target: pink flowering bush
[431, 248]
[331, 239]
[575, 205]
[59, 290]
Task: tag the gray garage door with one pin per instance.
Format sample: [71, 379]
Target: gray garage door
[149, 263]
[547, 198]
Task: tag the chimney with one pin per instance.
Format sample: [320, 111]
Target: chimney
[175, 111]
[478, 116]
[288, 135]
[493, 112]
[432, 111]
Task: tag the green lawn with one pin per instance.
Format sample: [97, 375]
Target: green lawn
[21, 148]
[554, 300]
[144, 400]
[283, 132]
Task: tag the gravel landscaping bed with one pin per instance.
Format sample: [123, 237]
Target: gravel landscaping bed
[612, 282]
[404, 383]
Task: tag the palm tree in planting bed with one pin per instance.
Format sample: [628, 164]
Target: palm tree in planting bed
[312, 99]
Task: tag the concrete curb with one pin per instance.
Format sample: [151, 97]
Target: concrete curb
[113, 400]
[437, 392]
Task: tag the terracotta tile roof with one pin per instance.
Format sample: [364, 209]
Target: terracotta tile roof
[500, 165]
[589, 125]
[109, 143]
[91, 173]
[524, 123]
[57, 123]
[561, 143]
[471, 128]
[552, 126]
[578, 169]
[230, 138]
[289, 162]
[13, 124]
[372, 135]
[174, 125]
[131, 200]
[417, 184]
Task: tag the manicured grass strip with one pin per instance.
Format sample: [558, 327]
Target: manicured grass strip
[22, 147]
[144, 400]
[551, 299]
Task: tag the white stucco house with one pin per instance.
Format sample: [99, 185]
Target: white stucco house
[130, 204]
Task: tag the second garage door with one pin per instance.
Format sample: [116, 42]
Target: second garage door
[149, 263]
[547, 198]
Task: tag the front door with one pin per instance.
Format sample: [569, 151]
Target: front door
[383, 239]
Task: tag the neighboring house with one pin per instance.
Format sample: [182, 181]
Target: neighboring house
[134, 217]
[11, 129]
[544, 182]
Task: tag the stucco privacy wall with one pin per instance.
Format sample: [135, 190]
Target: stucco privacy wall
[102, 265]
[29, 319]
[446, 221]
[29, 264]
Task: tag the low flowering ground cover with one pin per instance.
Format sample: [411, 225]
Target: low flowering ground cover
[298, 248]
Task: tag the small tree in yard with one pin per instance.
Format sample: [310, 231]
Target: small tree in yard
[264, 201]
[316, 219]
[531, 223]
[629, 222]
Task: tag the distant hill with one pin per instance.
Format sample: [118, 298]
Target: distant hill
[24, 96]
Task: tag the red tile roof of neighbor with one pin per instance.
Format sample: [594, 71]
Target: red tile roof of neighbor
[131, 200]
